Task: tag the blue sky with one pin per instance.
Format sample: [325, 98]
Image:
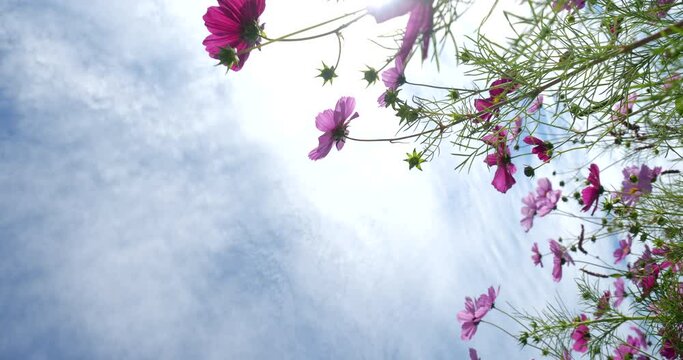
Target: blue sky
[153, 207]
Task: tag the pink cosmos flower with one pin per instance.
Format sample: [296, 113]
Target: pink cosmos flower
[536, 256]
[559, 5]
[547, 198]
[591, 193]
[542, 203]
[619, 292]
[641, 339]
[624, 107]
[333, 124]
[645, 272]
[637, 182]
[560, 257]
[603, 304]
[474, 312]
[234, 28]
[624, 249]
[420, 22]
[535, 105]
[503, 179]
[581, 335]
[517, 129]
[543, 149]
[473, 354]
[392, 79]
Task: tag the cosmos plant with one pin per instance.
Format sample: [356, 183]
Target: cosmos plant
[584, 92]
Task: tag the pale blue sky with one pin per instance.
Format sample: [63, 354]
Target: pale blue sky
[153, 207]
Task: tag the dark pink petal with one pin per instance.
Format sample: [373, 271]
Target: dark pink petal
[503, 179]
[473, 354]
[220, 22]
[501, 87]
[589, 195]
[533, 140]
[491, 159]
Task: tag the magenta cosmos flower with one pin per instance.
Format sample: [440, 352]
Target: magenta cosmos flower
[624, 249]
[560, 257]
[503, 179]
[638, 182]
[420, 23]
[498, 93]
[542, 149]
[536, 255]
[581, 335]
[234, 30]
[474, 312]
[334, 124]
[590, 194]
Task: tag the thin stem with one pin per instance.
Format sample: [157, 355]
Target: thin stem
[282, 38]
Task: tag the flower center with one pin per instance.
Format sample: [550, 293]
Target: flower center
[339, 133]
[251, 32]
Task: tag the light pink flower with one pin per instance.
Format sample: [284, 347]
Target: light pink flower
[420, 22]
[536, 255]
[540, 204]
[641, 340]
[560, 257]
[624, 107]
[619, 292]
[474, 312]
[591, 193]
[581, 335]
[535, 105]
[334, 124]
[547, 198]
[624, 249]
[233, 25]
[517, 129]
[637, 182]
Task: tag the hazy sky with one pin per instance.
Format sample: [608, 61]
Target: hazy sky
[153, 207]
